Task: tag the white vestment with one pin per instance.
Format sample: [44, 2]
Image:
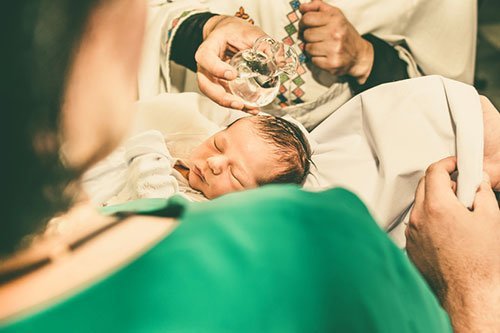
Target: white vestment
[435, 37]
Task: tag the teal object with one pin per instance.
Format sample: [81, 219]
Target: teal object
[174, 206]
[275, 259]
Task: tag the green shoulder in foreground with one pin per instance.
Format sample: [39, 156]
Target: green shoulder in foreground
[275, 259]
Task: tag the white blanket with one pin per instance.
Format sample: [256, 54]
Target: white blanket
[167, 127]
[378, 145]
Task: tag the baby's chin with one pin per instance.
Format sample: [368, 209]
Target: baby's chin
[196, 184]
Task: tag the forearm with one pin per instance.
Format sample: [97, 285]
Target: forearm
[386, 67]
[474, 310]
[491, 128]
[188, 38]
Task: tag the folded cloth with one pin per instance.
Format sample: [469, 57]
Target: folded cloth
[380, 143]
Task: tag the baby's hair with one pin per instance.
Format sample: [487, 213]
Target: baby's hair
[291, 147]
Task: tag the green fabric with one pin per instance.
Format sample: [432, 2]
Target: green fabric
[276, 259]
[173, 206]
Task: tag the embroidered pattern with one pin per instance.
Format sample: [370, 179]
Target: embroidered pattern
[290, 92]
[242, 15]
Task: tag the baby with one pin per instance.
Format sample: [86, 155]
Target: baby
[251, 152]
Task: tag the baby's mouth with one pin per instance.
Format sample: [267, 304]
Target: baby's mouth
[198, 172]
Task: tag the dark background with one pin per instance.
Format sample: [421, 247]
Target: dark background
[487, 77]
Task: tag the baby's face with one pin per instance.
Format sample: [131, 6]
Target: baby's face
[234, 159]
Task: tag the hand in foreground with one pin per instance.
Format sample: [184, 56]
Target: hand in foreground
[223, 37]
[491, 123]
[332, 43]
[457, 250]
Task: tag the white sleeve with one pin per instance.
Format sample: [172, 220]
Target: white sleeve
[441, 35]
[380, 143]
[405, 55]
[149, 169]
[164, 18]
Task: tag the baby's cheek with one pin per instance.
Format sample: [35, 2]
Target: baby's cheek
[218, 189]
[193, 183]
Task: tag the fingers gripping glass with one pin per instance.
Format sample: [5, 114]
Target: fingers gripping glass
[259, 70]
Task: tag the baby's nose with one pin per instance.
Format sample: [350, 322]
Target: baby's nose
[217, 164]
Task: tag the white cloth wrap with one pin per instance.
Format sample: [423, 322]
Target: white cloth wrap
[377, 145]
[166, 129]
[380, 143]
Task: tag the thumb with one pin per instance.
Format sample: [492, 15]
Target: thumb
[208, 56]
[485, 200]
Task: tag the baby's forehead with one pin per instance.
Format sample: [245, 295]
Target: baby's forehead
[251, 125]
[249, 120]
[246, 125]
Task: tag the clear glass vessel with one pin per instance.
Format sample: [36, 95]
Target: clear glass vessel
[259, 70]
